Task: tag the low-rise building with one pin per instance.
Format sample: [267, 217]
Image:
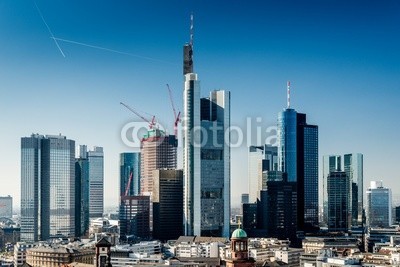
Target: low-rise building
[44, 256]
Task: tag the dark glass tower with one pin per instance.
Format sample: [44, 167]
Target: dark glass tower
[338, 201]
[167, 204]
[298, 157]
[130, 163]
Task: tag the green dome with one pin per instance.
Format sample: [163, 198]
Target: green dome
[239, 233]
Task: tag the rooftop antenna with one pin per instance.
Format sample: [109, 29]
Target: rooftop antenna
[288, 94]
[191, 29]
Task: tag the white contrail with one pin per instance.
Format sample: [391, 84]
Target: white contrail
[48, 28]
[110, 50]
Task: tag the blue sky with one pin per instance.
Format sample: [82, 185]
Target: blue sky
[342, 58]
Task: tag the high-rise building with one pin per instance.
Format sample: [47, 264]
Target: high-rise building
[331, 163]
[134, 218]
[129, 165]
[167, 204]
[277, 212]
[47, 187]
[339, 213]
[158, 151]
[6, 207]
[379, 205]
[353, 166]
[298, 157]
[96, 182]
[206, 156]
[260, 158]
[82, 192]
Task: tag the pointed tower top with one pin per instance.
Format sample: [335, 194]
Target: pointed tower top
[288, 94]
[191, 29]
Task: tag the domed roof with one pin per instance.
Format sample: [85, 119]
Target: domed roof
[239, 233]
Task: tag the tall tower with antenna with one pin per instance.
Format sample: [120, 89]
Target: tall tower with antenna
[206, 157]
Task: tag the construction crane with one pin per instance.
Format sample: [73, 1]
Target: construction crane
[128, 185]
[177, 118]
[152, 123]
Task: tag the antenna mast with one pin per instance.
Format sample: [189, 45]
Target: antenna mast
[288, 94]
[191, 30]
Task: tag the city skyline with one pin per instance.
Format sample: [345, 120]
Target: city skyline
[352, 62]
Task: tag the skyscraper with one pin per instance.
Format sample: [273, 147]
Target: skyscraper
[353, 166]
[260, 158]
[339, 213]
[134, 217]
[379, 205]
[96, 182]
[298, 157]
[130, 165]
[47, 187]
[158, 151]
[331, 163]
[167, 204]
[82, 192]
[206, 156]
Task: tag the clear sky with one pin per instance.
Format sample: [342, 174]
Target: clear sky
[342, 58]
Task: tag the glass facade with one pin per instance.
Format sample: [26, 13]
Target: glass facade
[379, 205]
[310, 160]
[130, 163]
[353, 166]
[287, 143]
[330, 163]
[47, 187]
[96, 182]
[338, 201]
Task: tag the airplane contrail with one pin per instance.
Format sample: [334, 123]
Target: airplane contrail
[48, 28]
[110, 50]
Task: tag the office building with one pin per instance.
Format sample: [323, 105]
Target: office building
[379, 205]
[298, 157]
[158, 151]
[277, 211]
[339, 213]
[6, 209]
[353, 166]
[82, 192]
[167, 204]
[96, 182]
[260, 158]
[129, 166]
[206, 156]
[331, 163]
[47, 187]
[134, 218]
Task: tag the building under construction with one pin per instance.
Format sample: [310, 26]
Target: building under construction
[159, 151]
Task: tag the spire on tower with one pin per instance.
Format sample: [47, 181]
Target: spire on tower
[191, 30]
[288, 94]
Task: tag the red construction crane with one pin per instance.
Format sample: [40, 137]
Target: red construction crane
[176, 117]
[152, 123]
[128, 185]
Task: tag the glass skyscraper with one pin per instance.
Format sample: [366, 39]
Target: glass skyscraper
[379, 205]
[130, 163]
[353, 166]
[96, 182]
[287, 143]
[47, 187]
[298, 157]
[206, 157]
[82, 192]
[330, 164]
[339, 213]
